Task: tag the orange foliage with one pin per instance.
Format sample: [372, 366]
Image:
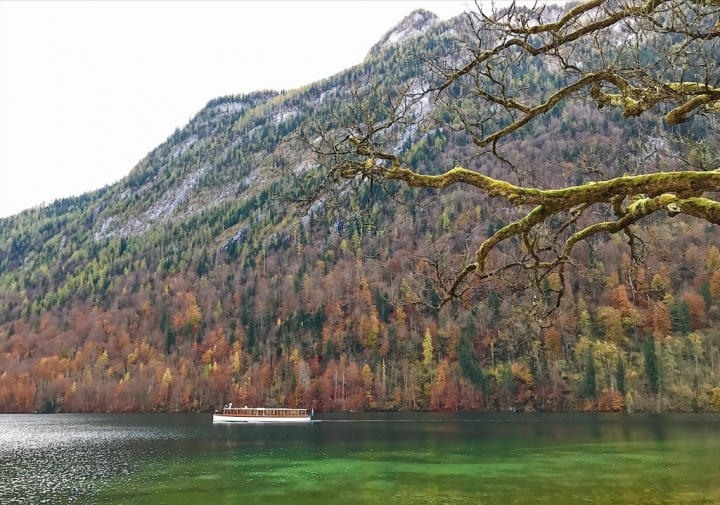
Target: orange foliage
[658, 321]
[611, 402]
[444, 393]
[552, 342]
[619, 300]
[696, 304]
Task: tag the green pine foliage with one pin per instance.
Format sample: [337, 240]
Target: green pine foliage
[652, 366]
[588, 386]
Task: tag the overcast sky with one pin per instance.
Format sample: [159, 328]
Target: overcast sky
[87, 89]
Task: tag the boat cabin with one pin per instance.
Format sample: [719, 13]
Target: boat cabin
[229, 410]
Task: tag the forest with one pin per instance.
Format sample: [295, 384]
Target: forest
[195, 281]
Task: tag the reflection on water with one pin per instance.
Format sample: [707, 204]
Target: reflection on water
[361, 458]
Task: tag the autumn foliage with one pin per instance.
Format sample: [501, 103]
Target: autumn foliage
[334, 342]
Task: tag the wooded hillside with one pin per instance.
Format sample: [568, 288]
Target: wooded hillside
[194, 282]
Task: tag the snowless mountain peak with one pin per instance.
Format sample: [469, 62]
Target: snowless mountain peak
[414, 24]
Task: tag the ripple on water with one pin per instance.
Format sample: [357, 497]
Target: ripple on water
[62, 458]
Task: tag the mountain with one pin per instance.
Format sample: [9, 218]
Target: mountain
[193, 282]
[415, 24]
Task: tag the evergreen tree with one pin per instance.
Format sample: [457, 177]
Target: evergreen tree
[588, 385]
[706, 294]
[329, 351]
[680, 317]
[251, 335]
[507, 379]
[494, 302]
[596, 329]
[169, 340]
[469, 366]
[652, 367]
[202, 266]
[620, 375]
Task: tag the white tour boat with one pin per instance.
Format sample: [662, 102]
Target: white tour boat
[232, 414]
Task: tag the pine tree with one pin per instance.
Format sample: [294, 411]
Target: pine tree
[652, 367]
[680, 316]
[468, 364]
[620, 375]
[169, 340]
[588, 386]
[329, 351]
[494, 302]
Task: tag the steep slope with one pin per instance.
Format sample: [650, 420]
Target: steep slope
[191, 283]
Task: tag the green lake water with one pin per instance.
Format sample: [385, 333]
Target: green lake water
[361, 459]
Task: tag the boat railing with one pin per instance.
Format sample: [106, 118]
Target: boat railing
[264, 412]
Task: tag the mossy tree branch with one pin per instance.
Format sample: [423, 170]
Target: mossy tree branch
[484, 100]
[632, 199]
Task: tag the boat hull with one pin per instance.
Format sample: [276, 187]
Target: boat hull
[219, 418]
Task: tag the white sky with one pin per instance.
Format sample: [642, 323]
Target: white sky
[87, 89]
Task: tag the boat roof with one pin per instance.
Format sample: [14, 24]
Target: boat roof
[266, 408]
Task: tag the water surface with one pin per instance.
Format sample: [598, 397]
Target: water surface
[361, 459]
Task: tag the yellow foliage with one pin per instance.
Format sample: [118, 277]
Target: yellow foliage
[695, 340]
[236, 362]
[668, 301]
[167, 377]
[192, 314]
[659, 284]
[582, 346]
[554, 281]
[522, 372]
[103, 359]
[408, 294]
[611, 321]
[367, 376]
[713, 259]
[584, 322]
[427, 348]
[606, 356]
[715, 400]
[132, 357]
[364, 285]
[208, 356]
[295, 357]
[629, 402]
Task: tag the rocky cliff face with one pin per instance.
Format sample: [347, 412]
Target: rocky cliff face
[176, 184]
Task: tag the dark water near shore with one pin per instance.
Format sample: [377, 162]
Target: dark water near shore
[361, 458]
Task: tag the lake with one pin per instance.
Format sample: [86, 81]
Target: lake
[361, 459]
